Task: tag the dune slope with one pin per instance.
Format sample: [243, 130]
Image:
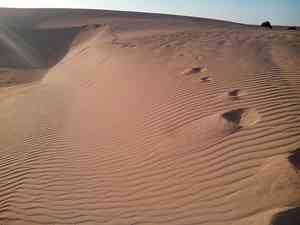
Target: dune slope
[147, 119]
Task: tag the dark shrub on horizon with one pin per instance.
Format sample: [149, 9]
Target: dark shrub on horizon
[267, 24]
[292, 28]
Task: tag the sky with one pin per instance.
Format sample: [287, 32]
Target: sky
[279, 12]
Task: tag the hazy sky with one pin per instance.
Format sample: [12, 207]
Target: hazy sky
[282, 12]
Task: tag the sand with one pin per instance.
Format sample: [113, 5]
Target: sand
[144, 119]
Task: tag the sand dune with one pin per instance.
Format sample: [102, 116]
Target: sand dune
[132, 118]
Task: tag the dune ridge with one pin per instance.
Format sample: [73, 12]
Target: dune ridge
[121, 128]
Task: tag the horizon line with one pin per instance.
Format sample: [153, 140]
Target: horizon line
[144, 12]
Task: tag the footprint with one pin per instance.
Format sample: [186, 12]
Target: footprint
[97, 25]
[236, 93]
[194, 70]
[295, 159]
[206, 79]
[199, 58]
[289, 217]
[240, 118]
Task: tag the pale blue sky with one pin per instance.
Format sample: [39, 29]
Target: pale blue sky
[281, 12]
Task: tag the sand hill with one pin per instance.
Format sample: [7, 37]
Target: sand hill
[144, 119]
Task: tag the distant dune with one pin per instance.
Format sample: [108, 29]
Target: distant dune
[129, 118]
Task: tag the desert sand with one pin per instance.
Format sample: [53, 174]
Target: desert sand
[143, 119]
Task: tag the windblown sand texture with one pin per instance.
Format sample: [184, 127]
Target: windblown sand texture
[125, 118]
